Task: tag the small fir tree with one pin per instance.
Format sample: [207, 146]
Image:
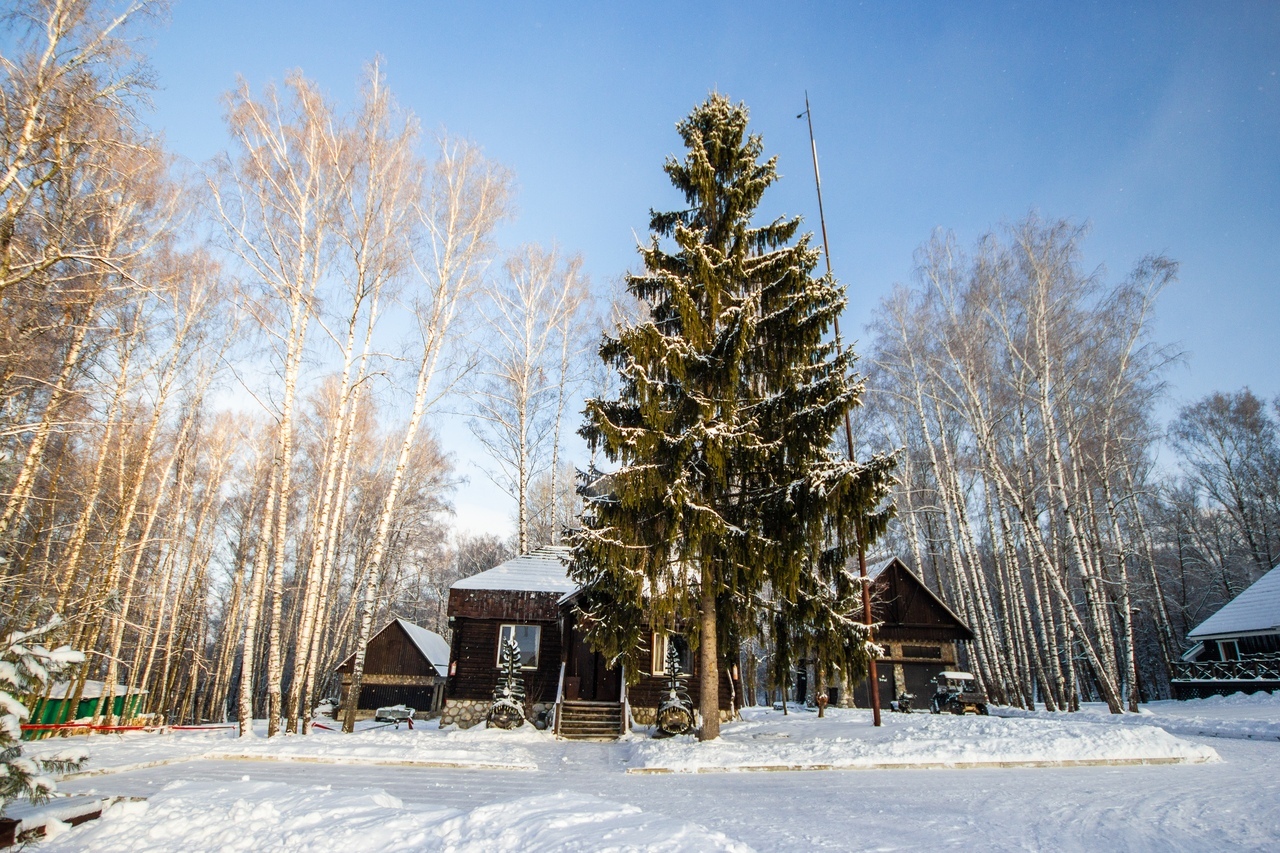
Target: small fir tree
[26, 668]
[675, 711]
[507, 711]
[730, 393]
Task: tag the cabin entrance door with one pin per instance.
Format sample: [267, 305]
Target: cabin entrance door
[597, 682]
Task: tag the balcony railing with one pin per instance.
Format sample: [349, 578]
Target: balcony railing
[1265, 667]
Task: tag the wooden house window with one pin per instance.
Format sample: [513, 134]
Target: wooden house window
[658, 663]
[922, 652]
[527, 637]
[1229, 650]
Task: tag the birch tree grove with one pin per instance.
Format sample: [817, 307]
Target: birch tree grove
[534, 317]
[215, 461]
[1021, 390]
[465, 199]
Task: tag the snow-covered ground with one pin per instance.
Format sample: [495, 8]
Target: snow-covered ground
[1242, 715]
[764, 740]
[845, 739]
[582, 797]
[257, 816]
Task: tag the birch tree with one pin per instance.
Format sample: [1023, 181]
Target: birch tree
[275, 196]
[532, 317]
[464, 199]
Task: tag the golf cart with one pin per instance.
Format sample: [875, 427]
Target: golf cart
[958, 693]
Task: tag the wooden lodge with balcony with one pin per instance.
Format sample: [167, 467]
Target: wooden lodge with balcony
[1237, 649]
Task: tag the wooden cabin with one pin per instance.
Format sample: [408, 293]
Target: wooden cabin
[918, 630]
[521, 599]
[568, 686]
[1237, 649]
[405, 664]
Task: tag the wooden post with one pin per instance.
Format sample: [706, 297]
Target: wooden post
[848, 428]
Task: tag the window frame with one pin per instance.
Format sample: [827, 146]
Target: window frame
[537, 644]
[658, 661]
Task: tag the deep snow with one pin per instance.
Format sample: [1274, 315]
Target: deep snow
[581, 792]
[1240, 715]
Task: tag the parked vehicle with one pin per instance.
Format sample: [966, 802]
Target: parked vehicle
[958, 693]
[395, 714]
[903, 703]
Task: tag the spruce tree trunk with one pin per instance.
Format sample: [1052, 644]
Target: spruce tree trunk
[708, 665]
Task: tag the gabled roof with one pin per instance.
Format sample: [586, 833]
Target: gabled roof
[432, 645]
[543, 570]
[875, 570]
[1254, 611]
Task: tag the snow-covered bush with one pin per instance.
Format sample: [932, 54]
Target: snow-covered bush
[25, 669]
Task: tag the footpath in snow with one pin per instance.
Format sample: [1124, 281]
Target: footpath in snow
[1247, 716]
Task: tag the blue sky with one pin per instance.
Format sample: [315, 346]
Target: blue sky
[1158, 123]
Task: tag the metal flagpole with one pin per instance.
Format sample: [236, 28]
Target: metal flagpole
[874, 689]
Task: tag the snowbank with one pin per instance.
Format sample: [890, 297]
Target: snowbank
[261, 816]
[846, 739]
[113, 753]
[1241, 715]
[425, 746]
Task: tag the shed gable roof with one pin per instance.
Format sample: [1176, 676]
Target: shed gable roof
[432, 645]
[1254, 611]
[880, 575]
[429, 644]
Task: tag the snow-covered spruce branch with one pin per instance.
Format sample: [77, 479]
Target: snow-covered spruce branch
[26, 667]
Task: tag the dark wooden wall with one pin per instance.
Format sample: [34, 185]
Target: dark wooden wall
[909, 611]
[524, 607]
[650, 690]
[391, 652]
[475, 656]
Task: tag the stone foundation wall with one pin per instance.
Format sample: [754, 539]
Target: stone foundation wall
[466, 713]
[643, 716]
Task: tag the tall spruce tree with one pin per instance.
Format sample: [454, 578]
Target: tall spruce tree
[725, 490]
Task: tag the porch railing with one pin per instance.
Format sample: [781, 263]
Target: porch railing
[1264, 667]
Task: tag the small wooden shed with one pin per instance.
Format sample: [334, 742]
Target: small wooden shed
[918, 630]
[405, 664]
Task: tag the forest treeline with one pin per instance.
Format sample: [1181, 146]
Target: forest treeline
[220, 386]
[1079, 537]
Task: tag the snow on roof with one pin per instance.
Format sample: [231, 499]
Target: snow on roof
[1256, 610]
[92, 690]
[874, 569]
[543, 570]
[432, 645]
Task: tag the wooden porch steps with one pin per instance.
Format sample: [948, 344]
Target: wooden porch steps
[599, 721]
